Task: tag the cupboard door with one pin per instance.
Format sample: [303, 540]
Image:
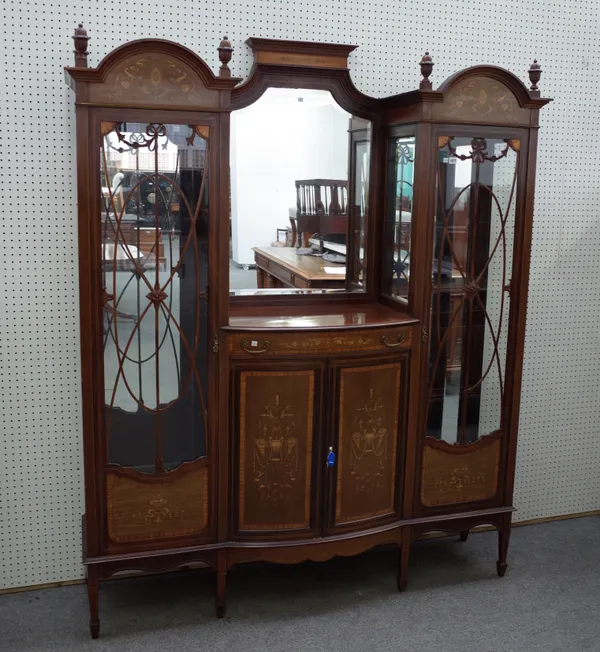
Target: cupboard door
[370, 411]
[277, 411]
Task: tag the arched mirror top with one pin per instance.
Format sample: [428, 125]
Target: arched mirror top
[306, 65]
[150, 73]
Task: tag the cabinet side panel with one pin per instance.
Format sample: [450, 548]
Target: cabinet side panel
[369, 404]
[275, 449]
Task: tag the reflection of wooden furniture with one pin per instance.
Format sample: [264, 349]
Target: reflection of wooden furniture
[322, 207]
[403, 217]
[294, 226]
[306, 445]
[279, 242]
[144, 238]
[283, 267]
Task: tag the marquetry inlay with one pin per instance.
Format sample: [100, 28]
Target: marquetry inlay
[370, 436]
[158, 511]
[460, 474]
[141, 507]
[479, 99]
[275, 465]
[369, 408]
[275, 443]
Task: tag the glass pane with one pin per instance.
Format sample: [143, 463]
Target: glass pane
[295, 223]
[154, 205]
[358, 208]
[472, 262]
[396, 272]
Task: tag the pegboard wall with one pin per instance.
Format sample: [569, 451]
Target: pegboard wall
[41, 466]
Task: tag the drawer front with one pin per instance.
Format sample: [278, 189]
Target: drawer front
[298, 343]
[281, 273]
[261, 262]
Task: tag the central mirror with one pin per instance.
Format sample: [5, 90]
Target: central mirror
[299, 190]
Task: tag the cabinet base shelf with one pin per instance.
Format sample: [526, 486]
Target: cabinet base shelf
[222, 556]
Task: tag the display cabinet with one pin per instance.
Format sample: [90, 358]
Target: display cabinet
[236, 415]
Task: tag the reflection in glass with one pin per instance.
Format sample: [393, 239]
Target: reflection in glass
[154, 209]
[472, 261]
[396, 271]
[299, 181]
[358, 223]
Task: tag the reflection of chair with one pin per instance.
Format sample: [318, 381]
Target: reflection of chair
[404, 238]
[144, 238]
[124, 259]
[322, 207]
[278, 242]
[294, 223]
[403, 220]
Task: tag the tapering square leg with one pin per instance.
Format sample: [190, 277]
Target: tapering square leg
[221, 582]
[503, 540]
[93, 589]
[403, 554]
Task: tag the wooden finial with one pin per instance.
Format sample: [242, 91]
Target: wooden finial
[225, 51]
[81, 39]
[426, 64]
[535, 72]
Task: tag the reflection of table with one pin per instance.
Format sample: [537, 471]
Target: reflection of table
[447, 324]
[124, 259]
[138, 233]
[144, 238]
[278, 267]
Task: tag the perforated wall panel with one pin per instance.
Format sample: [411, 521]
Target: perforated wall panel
[41, 477]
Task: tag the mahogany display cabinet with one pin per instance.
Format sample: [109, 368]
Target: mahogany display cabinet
[223, 426]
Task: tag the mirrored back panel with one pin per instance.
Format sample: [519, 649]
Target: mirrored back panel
[398, 226]
[299, 189]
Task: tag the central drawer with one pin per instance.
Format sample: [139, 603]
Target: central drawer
[302, 343]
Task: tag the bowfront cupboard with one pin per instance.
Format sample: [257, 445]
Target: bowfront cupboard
[279, 424]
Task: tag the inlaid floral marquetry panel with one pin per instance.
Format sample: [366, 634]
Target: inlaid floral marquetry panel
[154, 78]
[276, 439]
[464, 474]
[481, 99]
[141, 509]
[369, 412]
[325, 342]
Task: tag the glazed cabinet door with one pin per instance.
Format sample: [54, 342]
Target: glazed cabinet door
[368, 418]
[471, 361]
[276, 421]
[154, 318]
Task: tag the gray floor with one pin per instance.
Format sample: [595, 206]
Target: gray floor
[241, 279]
[549, 601]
